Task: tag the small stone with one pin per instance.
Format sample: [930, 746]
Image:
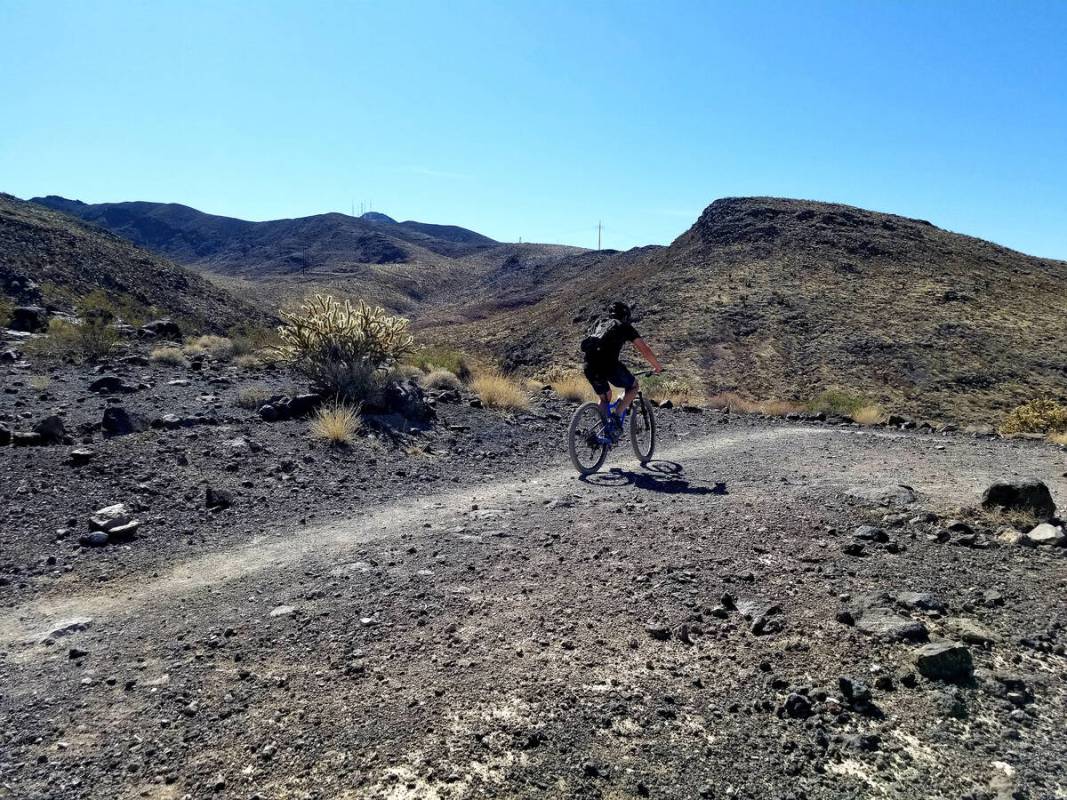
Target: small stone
[1046, 534]
[282, 611]
[658, 631]
[217, 499]
[797, 706]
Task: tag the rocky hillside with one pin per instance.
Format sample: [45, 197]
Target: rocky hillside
[782, 299]
[323, 242]
[52, 259]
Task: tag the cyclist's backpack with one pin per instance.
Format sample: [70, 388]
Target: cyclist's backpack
[593, 344]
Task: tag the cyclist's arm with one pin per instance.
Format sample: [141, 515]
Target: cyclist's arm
[646, 351]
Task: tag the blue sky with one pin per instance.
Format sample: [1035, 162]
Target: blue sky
[538, 119]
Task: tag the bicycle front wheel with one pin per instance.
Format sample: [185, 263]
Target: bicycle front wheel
[583, 439]
[642, 429]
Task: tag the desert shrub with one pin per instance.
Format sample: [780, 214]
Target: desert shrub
[679, 390]
[217, 347]
[113, 307]
[837, 402]
[736, 404]
[441, 379]
[169, 355]
[252, 397]
[430, 358]
[573, 387]
[247, 361]
[251, 339]
[497, 390]
[40, 383]
[87, 339]
[336, 423]
[7, 307]
[871, 414]
[1058, 438]
[777, 408]
[407, 372]
[342, 347]
[1042, 415]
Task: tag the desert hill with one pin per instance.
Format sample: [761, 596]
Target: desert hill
[323, 242]
[783, 299]
[51, 258]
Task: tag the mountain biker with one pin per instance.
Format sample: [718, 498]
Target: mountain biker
[603, 367]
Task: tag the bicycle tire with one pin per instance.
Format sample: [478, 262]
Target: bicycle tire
[641, 420]
[576, 436]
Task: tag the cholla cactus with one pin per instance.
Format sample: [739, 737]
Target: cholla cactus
[341, 346]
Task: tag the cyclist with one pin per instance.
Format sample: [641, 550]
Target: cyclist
[603, 367]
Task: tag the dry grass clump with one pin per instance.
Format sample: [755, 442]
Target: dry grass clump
[7, 308]
[169, 355]
[442, 379]
[252, 397]
[336, 423]
[247, 361]
[838, 403]
[1042, 415]
[497, 390]
[1058, 438]
[680, 391]
[433, 358]
[40, 383]
[342, 347]
[872, 414]
[736, 404]
[217, 347]
[88, 339]
[574, 387]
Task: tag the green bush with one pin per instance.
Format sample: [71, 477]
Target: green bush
[432, 358]
[113, 307]
[838, 402]
[341, 347]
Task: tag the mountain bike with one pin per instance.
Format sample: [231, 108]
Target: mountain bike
[588, 438]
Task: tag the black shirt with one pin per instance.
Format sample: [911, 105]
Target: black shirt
[612, 340]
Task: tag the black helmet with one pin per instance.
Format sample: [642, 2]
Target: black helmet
[619, 310]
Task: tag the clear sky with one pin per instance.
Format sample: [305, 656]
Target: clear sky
[537, 119]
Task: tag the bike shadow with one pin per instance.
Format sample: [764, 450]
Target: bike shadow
[665, 477]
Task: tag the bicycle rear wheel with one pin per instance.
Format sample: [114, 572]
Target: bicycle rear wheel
[642, 429]
[586, 451]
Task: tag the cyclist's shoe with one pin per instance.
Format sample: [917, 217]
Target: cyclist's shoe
[613, 428]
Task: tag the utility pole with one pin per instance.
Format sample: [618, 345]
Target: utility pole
[598, 227]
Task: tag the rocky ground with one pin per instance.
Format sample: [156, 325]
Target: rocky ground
[763, 612]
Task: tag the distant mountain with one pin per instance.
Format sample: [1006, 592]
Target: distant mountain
[323, 243]
[51, 258]
[778, 298]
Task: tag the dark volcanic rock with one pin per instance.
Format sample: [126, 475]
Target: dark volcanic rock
[1030, 496]
[31, 319]
[218, 498]
[110, 384]
[946, 661]
[50, 430]
[119, 422]
[162, 329]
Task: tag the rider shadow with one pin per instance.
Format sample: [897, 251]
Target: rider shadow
[665, 477]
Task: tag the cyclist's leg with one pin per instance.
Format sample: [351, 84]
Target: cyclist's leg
[625, 380]
[599, 382]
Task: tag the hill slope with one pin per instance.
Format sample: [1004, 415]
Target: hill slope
[50, 257]
[322, 242]
[785, 298]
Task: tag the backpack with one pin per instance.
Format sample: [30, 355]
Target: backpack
[592, 345]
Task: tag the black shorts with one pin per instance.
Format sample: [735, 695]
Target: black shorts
[600, 375]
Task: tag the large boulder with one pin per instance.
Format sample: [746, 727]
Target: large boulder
[31, 319]
[944, 661]
[161, 329]
[117, 421]
[1030, 495]
[51, 430]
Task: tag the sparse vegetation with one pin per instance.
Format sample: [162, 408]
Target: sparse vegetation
[497, 390]
[736, 404]
[6, 308]
[1058, 438]
[1042, 415]
[429, 359]
[871, 414]
[248, 361]
[573, 387]
[169, 355]
[217, 347]
[838, 402]
[87, 339]
[40, 383]
[442, 379]
[253, 339]
[336, 423]
[679, 390]
[252, 397]
[343, 347]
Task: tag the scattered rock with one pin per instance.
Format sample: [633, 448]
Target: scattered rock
[886, 624]
[111, 384]
[161, 329]
[218, 499]
[890, 496]
[282, 611]
[796, 706]
[114, 520]
[67, 627]
[869, 533]
[944, 661]
[31, 319]
[119, 422]
[80, 456]
[658, 631]
[50, 430]
[922, 601]
[1030, 496]
[970, 631]
[1045, 534]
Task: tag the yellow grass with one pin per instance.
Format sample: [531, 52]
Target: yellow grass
[736, 404]
[336, 423]
[1058, 438]
[497, 390]
[869, 415]
[218, 347]
[573, 387]
[248, 361]
[442, 379]
[169, 355]
[252, 397]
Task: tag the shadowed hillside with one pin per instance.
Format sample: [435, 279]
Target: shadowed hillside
[785, 298]
[51, 258]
